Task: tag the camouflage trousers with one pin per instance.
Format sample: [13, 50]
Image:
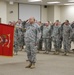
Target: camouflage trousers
[48, 44]
[31, 51]
[16, 47]
[56, 44]
[66, 44]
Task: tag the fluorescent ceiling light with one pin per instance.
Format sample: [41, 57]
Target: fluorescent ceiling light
[34, 0]
[53, 2]
[69, 4]
[70, 0]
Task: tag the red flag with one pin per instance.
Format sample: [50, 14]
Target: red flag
[6, 40]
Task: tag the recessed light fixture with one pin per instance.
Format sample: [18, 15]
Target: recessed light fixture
[69, 4]
[34, 0]
[56, 2]
[70, 0]
[66, 4]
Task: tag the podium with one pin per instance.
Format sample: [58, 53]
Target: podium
[6, 40]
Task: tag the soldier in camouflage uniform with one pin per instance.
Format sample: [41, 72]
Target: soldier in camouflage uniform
[31, 41]
[72, 25]
[24, 30]
[56, 37]
[16, 41]
[67, 34]
[20, 34]
[47, 37]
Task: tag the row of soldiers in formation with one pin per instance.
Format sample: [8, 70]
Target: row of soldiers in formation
[57, 33]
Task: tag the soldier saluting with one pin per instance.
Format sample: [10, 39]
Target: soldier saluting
[31, 41]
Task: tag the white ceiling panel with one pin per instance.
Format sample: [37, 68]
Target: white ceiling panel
[43, 2]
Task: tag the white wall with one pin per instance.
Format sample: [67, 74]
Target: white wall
[51, 13]
[44, 14]
[61, 13]
[67, 12]
[12, 16]
[28, 10]
[57, 14]
[5, 9]
[3, 12]
[40, 11]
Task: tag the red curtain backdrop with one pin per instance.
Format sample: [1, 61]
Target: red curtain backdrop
[6, 40]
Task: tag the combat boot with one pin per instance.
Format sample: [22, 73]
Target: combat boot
[33, 66]
[29, 65]
[65, 53]
[57, 53]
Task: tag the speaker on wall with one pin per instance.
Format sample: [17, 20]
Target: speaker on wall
[45, 6]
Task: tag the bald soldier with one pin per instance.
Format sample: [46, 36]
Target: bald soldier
[31, 41]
